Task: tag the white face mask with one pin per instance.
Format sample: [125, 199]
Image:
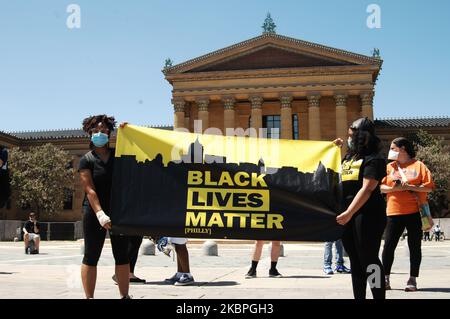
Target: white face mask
[349, 142]
[393, 155]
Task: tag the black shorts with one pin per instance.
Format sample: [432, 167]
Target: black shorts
[94, 239]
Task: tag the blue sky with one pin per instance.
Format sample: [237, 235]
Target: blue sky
[51, 77]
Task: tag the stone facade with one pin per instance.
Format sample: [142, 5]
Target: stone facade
[273, 75]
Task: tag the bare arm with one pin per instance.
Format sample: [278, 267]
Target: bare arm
[89, 189]
[363, 195]
[392, 189]
[1, 163]
[418, 188]
[405, 187]
[369, 185]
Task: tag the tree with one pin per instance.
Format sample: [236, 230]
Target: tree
[436, 156]
[41, 177]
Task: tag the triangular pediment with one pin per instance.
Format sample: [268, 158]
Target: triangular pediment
[271, 51]
[270, 57]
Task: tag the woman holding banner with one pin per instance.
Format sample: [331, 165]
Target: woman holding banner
[96, 171]
[364, 217]
[407, 183]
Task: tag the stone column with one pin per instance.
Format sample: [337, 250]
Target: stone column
[187, 116]
[178, 105]
[203, 113]
[286, 116]
[314, 117]
[341, 119]
[228, 113]
[256, 114]
[367, 105]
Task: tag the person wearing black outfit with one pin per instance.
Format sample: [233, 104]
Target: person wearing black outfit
[133, 252]
[31, 230]
[364, 216]
[5, 190]
[96, 171]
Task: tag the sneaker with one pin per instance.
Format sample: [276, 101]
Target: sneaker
[273, 273]
[411, 286]
[173, 279]
[342, 269]
[164, 246]
[126, 297]
[185, 280]
[251, 274]
[327, 270]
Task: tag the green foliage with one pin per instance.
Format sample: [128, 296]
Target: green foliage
[41, 177]
[436, 156]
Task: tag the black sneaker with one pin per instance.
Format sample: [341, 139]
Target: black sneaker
[172, 280]
[273, 273]
[251, 274]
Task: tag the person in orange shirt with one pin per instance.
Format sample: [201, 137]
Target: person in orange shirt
[403, 199]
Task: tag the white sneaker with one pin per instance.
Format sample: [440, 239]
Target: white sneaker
[185, 280]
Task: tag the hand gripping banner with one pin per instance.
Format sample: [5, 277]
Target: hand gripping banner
[169, 183]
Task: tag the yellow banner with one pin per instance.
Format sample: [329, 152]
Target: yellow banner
[146, 143]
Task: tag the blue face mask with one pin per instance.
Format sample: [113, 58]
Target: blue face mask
[99, 139]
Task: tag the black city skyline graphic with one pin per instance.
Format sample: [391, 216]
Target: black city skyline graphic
[154, 198]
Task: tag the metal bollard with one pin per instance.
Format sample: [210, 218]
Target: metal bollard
[281, 250]
[147, 248]
[209, 248]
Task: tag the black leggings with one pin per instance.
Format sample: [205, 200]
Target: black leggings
[94, 239]
[133, 250]
[394, 230]
[362, 241]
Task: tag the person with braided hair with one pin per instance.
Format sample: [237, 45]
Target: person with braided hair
[96, 172]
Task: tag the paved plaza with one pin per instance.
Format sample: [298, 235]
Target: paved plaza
[55, 273]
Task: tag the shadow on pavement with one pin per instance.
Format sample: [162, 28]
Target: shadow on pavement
[197, 283]
[447, 290]
[300, 277]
